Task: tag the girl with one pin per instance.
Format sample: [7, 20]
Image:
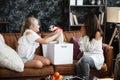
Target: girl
[29, 41]
[91, 45]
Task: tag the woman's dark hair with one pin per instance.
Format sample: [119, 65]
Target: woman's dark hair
[92, 25]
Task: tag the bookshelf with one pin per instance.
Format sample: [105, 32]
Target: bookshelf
[80, 10]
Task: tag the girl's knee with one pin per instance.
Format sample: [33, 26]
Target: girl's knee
[38, 64]
[47, 62]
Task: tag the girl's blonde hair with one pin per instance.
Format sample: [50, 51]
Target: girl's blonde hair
[29, 21]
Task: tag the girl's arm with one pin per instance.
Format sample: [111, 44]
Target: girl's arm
[49, 35]
[48, 39]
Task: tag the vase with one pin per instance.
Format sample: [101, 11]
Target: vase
[92, 2]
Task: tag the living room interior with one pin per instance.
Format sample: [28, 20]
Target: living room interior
[68, 15]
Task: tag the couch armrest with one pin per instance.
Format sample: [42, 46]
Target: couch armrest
[108, 54]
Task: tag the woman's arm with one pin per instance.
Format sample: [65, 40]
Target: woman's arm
[83, 31]
[98, 36]
[91, 45]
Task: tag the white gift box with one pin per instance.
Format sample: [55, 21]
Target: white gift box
[44, 48]
[60, 53]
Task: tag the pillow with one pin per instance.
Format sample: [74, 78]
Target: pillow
[77, 54]
[2, 41]
[9, 58]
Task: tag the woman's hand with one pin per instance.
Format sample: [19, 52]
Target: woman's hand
[83, 31]
[98, 36]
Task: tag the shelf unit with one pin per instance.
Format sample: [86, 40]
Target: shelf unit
[81, 10]
[4, 28]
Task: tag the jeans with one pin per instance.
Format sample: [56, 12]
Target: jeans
[83, 67]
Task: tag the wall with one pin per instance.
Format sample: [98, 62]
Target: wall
[49, 12]
[109, 31]
[110, 27]
[113, 3]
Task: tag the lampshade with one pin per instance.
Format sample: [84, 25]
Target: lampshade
[113, 14]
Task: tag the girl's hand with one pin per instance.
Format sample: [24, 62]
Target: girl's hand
[58, 32]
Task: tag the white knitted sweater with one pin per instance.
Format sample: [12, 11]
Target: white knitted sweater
[93, 49]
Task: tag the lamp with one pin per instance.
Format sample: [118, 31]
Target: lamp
[113, 16]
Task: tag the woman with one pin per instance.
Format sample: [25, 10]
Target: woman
[90, 44]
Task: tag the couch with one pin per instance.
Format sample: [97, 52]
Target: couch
[68, 69]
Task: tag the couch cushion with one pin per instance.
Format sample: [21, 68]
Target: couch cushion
[98, 73]
[10, 39]
[28, 72]
[77, 54]
[69, 69]
[66, 69]
[69, 34]
[39, 50]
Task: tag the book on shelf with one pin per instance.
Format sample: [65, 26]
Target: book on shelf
[79, 2]
[71, 19]
[103, 2]
[75, 19]
[72, 2]
[101, 18]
